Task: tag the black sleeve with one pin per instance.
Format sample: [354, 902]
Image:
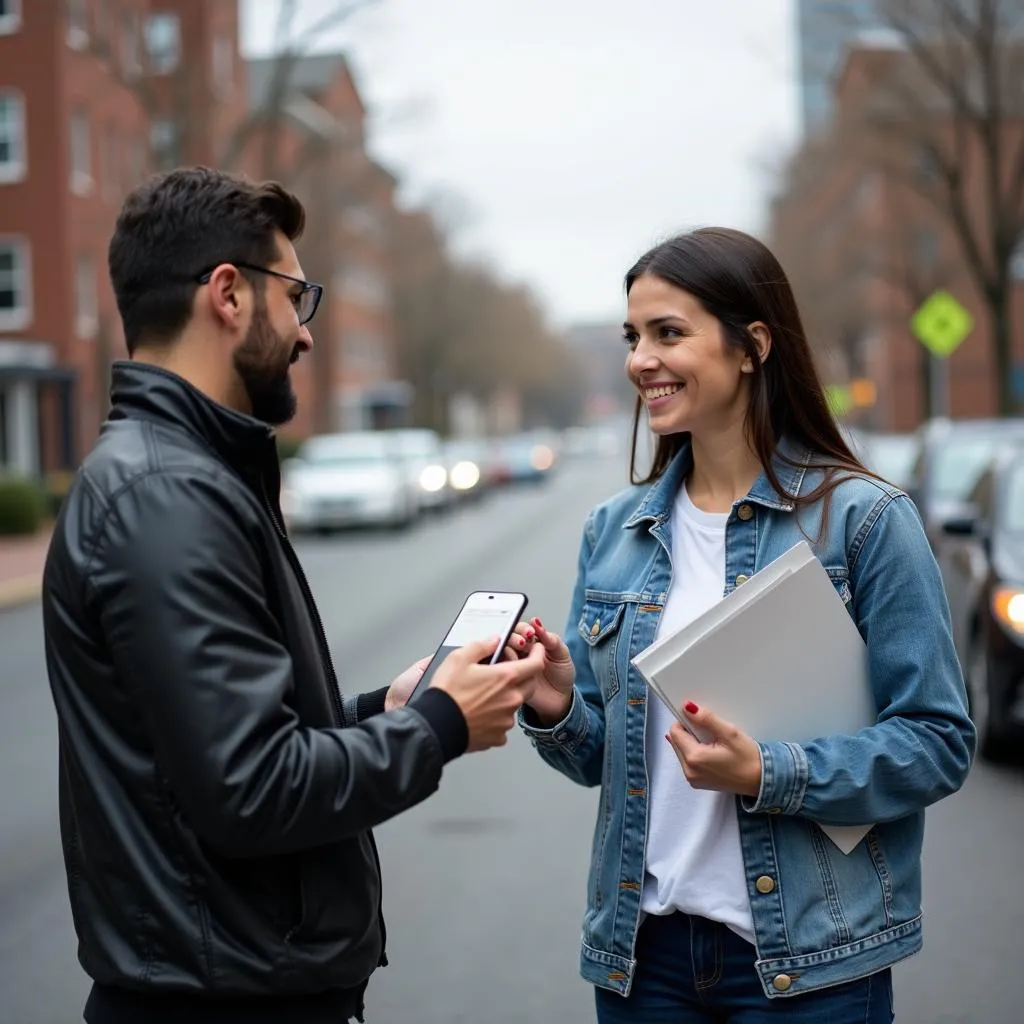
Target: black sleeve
[177, 583]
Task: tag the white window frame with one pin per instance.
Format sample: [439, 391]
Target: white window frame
[86, 296]
[80, 176]
[17, 169]
[171, 145]
[78, 24]
[159, 62]
[10, 20]
[19, 318]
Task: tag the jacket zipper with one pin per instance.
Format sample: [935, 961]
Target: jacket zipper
[339, 712]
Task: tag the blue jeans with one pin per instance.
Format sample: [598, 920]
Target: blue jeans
[694, 971]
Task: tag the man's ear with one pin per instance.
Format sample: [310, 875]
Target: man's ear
[223, 294]
[762, 339]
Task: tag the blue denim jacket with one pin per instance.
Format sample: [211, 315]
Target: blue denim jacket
[820, 917]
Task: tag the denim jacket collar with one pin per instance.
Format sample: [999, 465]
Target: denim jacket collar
[790, 462]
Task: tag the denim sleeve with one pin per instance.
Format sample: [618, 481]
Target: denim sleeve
[922, 745]
[575, 745]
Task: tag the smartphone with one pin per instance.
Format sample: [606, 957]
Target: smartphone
[485, 614]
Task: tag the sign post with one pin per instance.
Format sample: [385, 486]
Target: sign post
[941, 324]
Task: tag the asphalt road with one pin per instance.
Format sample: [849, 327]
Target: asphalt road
[484, 883]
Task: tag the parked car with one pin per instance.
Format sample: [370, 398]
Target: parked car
[524, 458]
[981, 556]
[952, 455]
[470, 472]
[348, 479]
[891, 456]
[422, 455]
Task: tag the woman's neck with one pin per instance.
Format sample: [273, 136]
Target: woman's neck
[724, 470]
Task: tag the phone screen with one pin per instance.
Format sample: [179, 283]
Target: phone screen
[485, 614]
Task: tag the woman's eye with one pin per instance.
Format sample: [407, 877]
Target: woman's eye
[671, 332]
[630, 339]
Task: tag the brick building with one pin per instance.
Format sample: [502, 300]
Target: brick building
[858, 227]
[317, 145]
[93, 96]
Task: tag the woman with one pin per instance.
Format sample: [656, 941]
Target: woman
[713, 895]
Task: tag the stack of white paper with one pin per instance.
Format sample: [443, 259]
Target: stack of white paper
[780, 657]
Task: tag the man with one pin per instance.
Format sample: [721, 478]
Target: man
[216, 791]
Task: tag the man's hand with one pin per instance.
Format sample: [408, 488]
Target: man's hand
[730, 763]
[488, 695]
[401, 688]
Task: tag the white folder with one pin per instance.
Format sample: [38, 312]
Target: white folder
[780, 657]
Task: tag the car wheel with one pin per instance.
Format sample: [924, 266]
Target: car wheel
[993, 744]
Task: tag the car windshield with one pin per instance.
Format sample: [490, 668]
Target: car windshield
[960, 461]
[1015, 499]
[335, 455]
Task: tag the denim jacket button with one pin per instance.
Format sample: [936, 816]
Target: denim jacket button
[781, 982]
[561, 736]
[595, 628]
[765, 885]
[741, 579]
[745, 512]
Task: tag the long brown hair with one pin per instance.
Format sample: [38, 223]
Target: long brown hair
[739, 282]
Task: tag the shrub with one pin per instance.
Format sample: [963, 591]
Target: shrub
[22, 506]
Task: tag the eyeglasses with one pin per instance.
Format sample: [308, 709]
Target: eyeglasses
[304, 301]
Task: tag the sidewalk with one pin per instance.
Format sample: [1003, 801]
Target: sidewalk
[21, 567]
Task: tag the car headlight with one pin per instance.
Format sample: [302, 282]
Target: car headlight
[433, 478]
[465, 475]
[1008, 608]
[542, 457]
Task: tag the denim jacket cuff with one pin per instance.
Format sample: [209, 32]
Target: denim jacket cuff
[784, 775]
[568, 734]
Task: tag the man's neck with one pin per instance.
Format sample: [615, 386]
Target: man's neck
[203, 374]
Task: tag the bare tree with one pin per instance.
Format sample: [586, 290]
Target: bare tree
[945, 119]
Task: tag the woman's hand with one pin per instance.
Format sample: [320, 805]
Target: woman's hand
[402, 686]
[552, 696]
[730, 762]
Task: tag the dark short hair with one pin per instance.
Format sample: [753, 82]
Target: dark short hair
[178, 225]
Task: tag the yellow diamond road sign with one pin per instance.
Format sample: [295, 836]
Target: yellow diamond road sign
[941, 324]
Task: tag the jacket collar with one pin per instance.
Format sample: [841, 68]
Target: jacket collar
[144, 391]
[790, 462]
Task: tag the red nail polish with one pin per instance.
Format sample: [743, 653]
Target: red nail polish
[691, 708]
[530, 634]
[538, 623]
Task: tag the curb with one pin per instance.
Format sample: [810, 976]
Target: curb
[21, 590]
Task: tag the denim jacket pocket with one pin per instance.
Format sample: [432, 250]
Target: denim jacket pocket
[841, 581]
[598, 626]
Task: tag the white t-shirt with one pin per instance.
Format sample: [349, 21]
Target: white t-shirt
[694, 857]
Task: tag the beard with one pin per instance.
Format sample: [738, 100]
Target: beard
[263, 363]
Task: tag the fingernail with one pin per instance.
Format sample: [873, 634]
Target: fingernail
[691, 708]
[669, 738]
[538, 623]
[530, 634]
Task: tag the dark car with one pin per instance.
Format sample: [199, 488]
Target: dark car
[952, 454]
[981, 555]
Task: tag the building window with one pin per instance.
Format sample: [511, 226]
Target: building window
[130, 63]
[1017, 261]
[364, 286]
[10, 17]
[15, 284]
[78, 24]
[12, 136]
[85, 296]
[222, 68]
[926, 249]
[163, 144]
[135, 166]
[81, 153]
[109, 163]
[163, 42]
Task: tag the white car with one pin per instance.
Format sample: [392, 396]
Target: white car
[350, 479]
[423, 454]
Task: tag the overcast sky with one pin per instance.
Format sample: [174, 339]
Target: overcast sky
[572, 134]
